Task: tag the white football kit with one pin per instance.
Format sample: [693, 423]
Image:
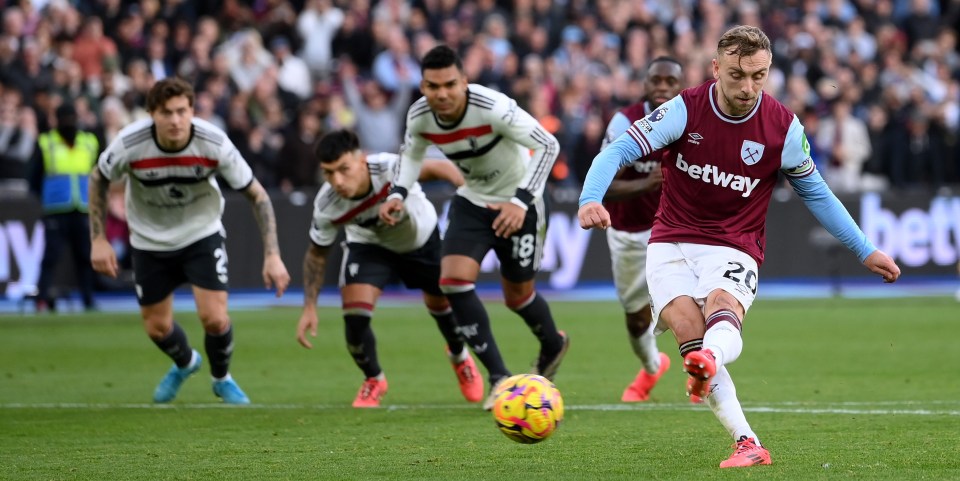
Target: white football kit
[361, 216]
[491, 145]
[172, 198]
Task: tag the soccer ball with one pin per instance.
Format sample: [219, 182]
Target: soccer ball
[528, 408]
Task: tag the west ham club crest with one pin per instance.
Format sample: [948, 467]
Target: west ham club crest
[751, 152]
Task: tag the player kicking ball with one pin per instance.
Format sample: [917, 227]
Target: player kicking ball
[376, 254]
[727, 144]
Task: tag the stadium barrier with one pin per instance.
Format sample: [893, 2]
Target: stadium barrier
[922, 231]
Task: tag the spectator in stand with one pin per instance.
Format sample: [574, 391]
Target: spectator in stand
[293, 76]
[846, 142]
[394, 68]
[18, 136]
[296, 165]
[92, 49]
[317, 25]
[379, 120]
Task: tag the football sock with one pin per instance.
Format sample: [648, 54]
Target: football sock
[645, 347]
[219, 349]
[723, 337]
[690, 346]
[175, 345]
[725, 406]
[474, 326]
[448, 327]
[361, 343]
[536, 313]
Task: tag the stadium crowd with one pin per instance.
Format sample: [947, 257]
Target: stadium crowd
[875, 82]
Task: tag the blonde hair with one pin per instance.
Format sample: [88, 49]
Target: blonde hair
[743, 41]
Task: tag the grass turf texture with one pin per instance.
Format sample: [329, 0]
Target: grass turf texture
[836, 389]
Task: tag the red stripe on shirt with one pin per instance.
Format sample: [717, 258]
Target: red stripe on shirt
[343, 219]
[186, 161]
[456, 135]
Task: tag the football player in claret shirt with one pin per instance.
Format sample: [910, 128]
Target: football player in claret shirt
[727, 143]
[499, 207]
[376, 254]
[632, 201]
[174, 206]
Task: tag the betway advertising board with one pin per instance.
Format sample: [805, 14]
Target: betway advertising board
[921, 231]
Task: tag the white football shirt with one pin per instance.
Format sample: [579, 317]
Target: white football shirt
[172, 198]
[360, 217]
[491, 144]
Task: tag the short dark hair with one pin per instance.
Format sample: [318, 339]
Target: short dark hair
[334, 144]
[665, 59]
[167, 89]
[440, 57]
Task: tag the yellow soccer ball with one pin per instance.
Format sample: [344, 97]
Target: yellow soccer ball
[528, 408]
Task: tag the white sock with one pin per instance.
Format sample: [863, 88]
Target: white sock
[726, 407]
[224, 378]
[645, 347]
[723, 339]
[458, 358]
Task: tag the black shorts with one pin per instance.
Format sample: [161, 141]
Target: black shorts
[378, 266]
[158, 273]
[470, 233]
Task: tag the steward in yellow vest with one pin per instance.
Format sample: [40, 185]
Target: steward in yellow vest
[66, 169]
[62, 163]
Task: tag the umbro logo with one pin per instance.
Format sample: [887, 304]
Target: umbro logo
[694, 138]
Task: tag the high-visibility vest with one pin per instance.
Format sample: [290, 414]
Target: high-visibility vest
[67, 170]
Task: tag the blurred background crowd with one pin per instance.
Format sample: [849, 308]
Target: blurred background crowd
[875, 82]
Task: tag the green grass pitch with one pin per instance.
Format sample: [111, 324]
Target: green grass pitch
[836, 389]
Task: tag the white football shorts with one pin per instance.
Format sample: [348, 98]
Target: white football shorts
[628, 256]
[695, 270]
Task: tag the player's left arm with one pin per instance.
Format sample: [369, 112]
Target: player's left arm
[274, 271]
[235, 170]
[441, 169]
[516, 124]
[803, 176]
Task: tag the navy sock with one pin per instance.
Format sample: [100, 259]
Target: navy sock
[362, 344]
[690, 346]
[176, 346]
[536, 313]
[475, 327]
[219, 349]
[447, 324]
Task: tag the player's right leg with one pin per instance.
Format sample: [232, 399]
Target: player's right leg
[468, 238]
[156, 275]
[673, 286]
[457, 283]
[172, 340]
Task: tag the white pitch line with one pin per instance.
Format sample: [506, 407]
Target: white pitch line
[786, 408]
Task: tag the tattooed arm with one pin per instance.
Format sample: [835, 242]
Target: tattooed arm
[314, 265]
[102, 256]
[274, 272]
